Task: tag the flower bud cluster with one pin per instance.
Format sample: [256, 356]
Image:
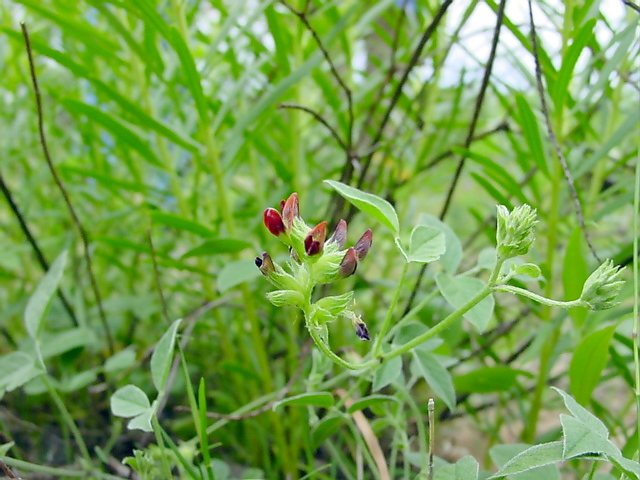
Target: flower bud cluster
[315, 259]
[603, 286]
[515, 233]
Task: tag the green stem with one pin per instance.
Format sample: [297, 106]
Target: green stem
[387, 321]
[539, 298]
[160, 442]
[451, 319]
[636, 296]
[68, 419]
[324, 348]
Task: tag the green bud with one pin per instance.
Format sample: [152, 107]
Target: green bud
[515, 232]
[335, 305]
[325, 269]
[602, 286]
[285, 298]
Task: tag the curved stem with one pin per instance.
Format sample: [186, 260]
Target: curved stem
[451, 319]
[324, 348]
[539, 298]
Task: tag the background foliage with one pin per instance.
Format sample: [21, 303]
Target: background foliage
[173, 124]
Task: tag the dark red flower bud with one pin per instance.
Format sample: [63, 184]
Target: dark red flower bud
[340, 234]
[282, 202]
[265, 264]
[349, 263]
[364, 244]
[273, 221]
[362, 331]
[290, 211]
[314, 241]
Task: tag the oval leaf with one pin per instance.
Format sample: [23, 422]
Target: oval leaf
[488, 379]
[459, 290]
[324, 429]
[235, 273]
[129, 401]
[388, 372]
[368, 203]
[316, 399]
[41, 298]
[426, 244]
[162, 356]
[452, 256]
[588, 362]
[436, 376]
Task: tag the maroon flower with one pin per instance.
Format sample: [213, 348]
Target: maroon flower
[364, 244]
[349, 263]
[290, 211]
[314, 241]
[340, 234]
[273, 221]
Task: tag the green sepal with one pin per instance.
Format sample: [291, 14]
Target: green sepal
[284, 298]
[336, 304]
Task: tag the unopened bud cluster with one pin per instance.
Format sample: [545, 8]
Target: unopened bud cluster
[515, 233]
[315, 259]
[602, 287]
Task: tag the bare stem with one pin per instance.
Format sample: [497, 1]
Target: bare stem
[65, 195]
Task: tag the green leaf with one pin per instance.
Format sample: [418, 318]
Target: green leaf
[582, 414]
[502, 454]
[129, 401]
[41, 298]
[189, 69]
[218, 246]
[426, 244]
[579, 439]
[574, 273]
[457, 291]
[436, 376]
[370, 400]
[561, 87]
[533, 457]
[79, 381]
[235, 273]
[531, 132]
[141, 422]
[181, 223]
[120, 361]
[464, 469]
[487, 379]
[451, 258]
[16, 369]
[162, 357]
[325, 428]
[388, 372]
[588, 362]
[368, 203]
[529, 269]
[123, 135]
[56, 343]
[316, 399]
[626, 127]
